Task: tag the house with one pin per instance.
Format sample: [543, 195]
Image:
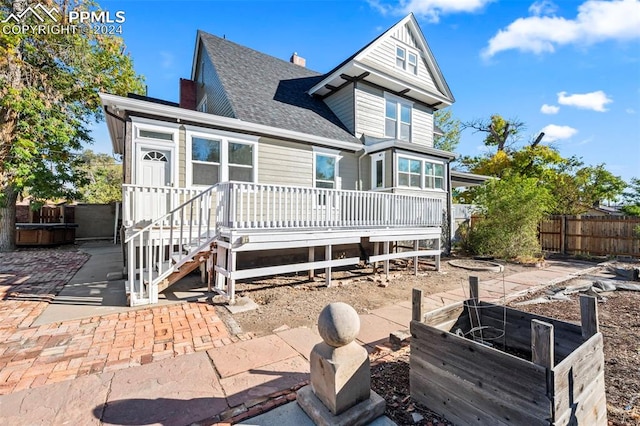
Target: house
[275, 168]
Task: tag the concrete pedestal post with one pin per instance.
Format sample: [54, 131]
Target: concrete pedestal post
[340, 391]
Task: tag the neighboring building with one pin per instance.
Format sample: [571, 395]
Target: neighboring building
[270, 157]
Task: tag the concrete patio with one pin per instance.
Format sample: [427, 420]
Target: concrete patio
[176, 363]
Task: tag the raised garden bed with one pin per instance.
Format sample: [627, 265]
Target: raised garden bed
[480, 363]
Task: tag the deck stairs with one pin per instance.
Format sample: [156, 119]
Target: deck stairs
[162, 252]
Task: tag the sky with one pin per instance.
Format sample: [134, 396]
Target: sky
[568, 68]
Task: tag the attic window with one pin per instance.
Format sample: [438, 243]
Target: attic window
[401, 57]
[408, 61]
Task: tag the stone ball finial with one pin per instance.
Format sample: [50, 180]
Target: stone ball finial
[338, 324]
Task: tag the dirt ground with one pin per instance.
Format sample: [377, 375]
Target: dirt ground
[295, 301]
[619, 318]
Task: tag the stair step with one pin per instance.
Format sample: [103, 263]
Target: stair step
[177, 257]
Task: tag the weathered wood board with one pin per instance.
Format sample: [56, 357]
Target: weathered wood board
[471, 383]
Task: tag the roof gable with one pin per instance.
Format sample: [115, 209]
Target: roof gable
[376, 63]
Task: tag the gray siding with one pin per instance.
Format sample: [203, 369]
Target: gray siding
[290, 163]
[348, 170]
[369, 111]
[217, 101]
[285, 163]
[389, 170]
[383, 58]
[341, 103]
[422, 132]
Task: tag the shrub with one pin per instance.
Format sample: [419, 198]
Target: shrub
[510, 210]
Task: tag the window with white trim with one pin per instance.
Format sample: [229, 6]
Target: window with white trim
[325, 170]
[205, 161]
[377, 171]
[433, 175]
[417, 173]
[401, 57]
[397, 122]
[153, 134]
[412, 63]
[409, 172]
[241, 162]
[202, 106]
[407, 60]
[218, 158]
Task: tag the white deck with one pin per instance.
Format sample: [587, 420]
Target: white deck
[244, 217]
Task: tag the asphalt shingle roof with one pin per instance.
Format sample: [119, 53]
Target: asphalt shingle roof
[266, 90]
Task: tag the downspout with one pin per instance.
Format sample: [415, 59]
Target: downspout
[360, 184]
[450, 211]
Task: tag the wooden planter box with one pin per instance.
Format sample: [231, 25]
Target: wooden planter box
[45, 234]
[538, 371]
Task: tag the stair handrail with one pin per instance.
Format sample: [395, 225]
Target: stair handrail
[156, 222]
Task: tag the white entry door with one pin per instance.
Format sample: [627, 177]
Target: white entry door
[154, 173]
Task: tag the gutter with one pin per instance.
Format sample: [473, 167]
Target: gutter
[233, 124]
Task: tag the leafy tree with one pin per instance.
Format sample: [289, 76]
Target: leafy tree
[573, 185]
[451, 128]
[49, 85]
[632, 198]
[501, 133]
[510, 209]
[103, 178]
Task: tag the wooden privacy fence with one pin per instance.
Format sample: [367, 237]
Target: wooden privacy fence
[594, 235]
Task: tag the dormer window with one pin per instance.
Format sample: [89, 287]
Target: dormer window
[408, 61]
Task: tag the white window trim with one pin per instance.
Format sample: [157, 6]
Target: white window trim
[225, 138]
[140, 143]
[399, 101]
[203, 103]
[328, 153]
[374, 159]
[407, 50]
[422, 160]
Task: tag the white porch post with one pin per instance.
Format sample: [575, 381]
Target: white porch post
[312, 255]
[327, 272]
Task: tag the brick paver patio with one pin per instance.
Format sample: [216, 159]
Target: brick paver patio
[32, 356]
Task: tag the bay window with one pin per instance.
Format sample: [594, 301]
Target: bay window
[418, 173]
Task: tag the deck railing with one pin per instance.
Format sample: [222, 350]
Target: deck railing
[259, 206]
[155, 248]
[146, 203]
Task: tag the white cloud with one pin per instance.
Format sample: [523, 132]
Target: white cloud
[553, 132]
[595, 101]
[596, 21]
[549, 109]
[543, 7]
[630, 111]
[429, 9]
[166, 60]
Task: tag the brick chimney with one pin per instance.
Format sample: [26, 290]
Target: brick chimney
[187, 94]
[295, 59]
